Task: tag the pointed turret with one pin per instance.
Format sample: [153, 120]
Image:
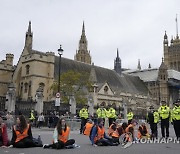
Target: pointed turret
[83, 29]
[177, 36]
[83, 55]
[29, 38]
[162, 81]
[163, 66]
[165, 39]
[117, 64]
[149, 67]
[139, 65]
[29, 28]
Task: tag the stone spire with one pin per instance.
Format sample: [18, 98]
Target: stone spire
[139, 65]
[117, 64]
[83, 55]
[149, 67]
[177, 36]
[29, 38]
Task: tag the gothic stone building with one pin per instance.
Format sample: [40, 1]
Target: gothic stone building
[38, 70]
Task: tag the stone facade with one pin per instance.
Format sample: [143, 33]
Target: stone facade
[37, 71]
[34, 70]
[171, 52]
[6, 72]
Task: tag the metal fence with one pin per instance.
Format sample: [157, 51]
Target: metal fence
[2, 103]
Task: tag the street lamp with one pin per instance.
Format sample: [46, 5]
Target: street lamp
[60, 52]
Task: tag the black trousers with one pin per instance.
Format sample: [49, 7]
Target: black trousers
[105, 142]
[60, 144]
[129, 121]
[25, 143]
[111, 120]
[154, 130]
[176, 124]
[83, 123]
[165, 126]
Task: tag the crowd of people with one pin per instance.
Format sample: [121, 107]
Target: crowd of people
[93, 127]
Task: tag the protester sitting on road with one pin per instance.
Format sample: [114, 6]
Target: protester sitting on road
[98, 135]
[130, 128]
[22, 135]
[113, 132]
[3, 134]
[60, 137]
[121, 129]
[143, 131]
[87, 128]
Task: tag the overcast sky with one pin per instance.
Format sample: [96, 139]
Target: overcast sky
[135, 27]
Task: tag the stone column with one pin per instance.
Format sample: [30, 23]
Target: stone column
[10, 98]
[39, 100]
[125, 109]
[72, 103]
[91, 105]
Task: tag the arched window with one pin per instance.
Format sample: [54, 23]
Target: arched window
[27, 69]
[106, 89]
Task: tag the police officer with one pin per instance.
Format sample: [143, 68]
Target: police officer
[83, 113]
[101, 111]
[111, 114]
[176, 118]
[164, 112]
[32, 117]
[150, 119]
[156, 120]
[153, 119]
[130, 116]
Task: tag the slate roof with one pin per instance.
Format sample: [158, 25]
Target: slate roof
[125, 83]
[148, 75]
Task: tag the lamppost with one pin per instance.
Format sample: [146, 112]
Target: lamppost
[60, 52]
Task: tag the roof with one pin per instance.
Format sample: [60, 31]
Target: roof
[148, 75]
[124, 82]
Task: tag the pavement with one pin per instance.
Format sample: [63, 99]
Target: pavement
[87, 148]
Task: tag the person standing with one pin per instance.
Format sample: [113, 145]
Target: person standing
[130, 116]
[156, 121]
[153, 119]
[176, 118]
[40, 120]
[111, 114]
[164, 112]
[101, 111]
[83, 114]
[61, 136]
[32, 117]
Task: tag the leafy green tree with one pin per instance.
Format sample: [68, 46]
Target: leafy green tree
[73, 83]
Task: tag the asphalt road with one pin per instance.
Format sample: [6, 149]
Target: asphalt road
[87, 148]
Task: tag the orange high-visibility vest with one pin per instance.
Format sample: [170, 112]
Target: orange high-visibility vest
[88, 128]
[139, 135]
[65, 135]
[113, 133]
[19, 135]
[127, 129]
[100, 134]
